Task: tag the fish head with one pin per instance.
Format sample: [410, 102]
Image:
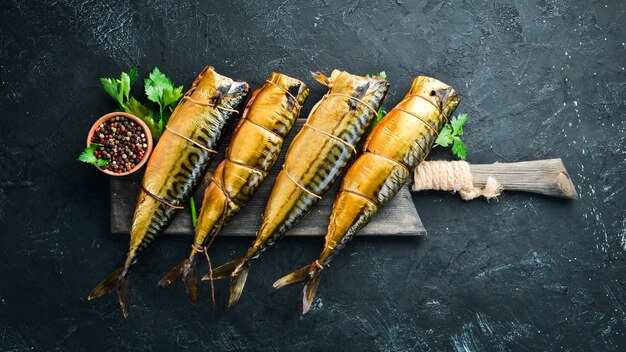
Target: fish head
[292, 86]
[365, 88]
[232, 95]
[220, 90]
[438, 93]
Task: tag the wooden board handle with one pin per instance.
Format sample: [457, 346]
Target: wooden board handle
[548, 177]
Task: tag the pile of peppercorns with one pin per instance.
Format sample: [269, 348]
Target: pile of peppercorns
[123, 144]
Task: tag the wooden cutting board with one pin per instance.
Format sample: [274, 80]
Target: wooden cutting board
[398, 218]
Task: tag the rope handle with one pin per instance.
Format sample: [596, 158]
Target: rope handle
[453, 176]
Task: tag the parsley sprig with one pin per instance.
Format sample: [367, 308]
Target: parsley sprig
[451, 134]
[88, 156]
[161, 92]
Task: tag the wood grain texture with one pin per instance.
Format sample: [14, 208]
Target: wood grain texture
[548, 177]
[398, 218]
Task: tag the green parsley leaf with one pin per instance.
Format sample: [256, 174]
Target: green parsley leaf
[88, 156]
[159, 90]
[445, 137]
[133, 74]
[112, 87]
[119, 89]
[102, 162]
[155, 84]
[136, 108]
[458, 148]
[172, 95]
[457, 124]
[381, 74]
[155, 124]
[382, 112]
[451, 134]
[125, 85]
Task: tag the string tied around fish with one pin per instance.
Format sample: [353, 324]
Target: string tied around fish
[203, 249]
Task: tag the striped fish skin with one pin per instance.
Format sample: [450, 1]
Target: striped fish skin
[313, 162]
[395, 146]
[177, 164]
[254, 148]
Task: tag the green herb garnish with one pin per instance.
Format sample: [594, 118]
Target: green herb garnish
[194, 212]
[451, 134]
[161, 90]
[381, 110]
[158, 88]
[119, 89]
[381, 74]
[88, 156]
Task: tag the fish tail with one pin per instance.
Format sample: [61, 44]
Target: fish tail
[309, 275]
[118, 281]
[237, 282]
[237, 270]
[185, 271]
[225, 270]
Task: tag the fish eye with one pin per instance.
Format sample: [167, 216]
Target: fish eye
[433, 93]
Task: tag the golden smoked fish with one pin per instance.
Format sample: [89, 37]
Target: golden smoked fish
[254, 148]
[178, 162]
[395, 147]
[316, 157]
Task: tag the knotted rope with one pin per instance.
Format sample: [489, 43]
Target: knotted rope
[453, 176]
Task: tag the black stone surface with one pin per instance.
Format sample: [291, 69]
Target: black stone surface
[540, 79]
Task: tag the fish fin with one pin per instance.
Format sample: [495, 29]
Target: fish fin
[225, 270]
[118, 281]
[237, 270]
[106, 286]
[190, 278]
[309, 291]
[185, 271]
[309, 275]
[296, 277]
[321, 78]
[237, 282]
[123, 294]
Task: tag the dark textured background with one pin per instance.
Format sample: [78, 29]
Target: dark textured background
[540, 79]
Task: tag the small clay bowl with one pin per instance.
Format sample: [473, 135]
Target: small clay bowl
[138, 121]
